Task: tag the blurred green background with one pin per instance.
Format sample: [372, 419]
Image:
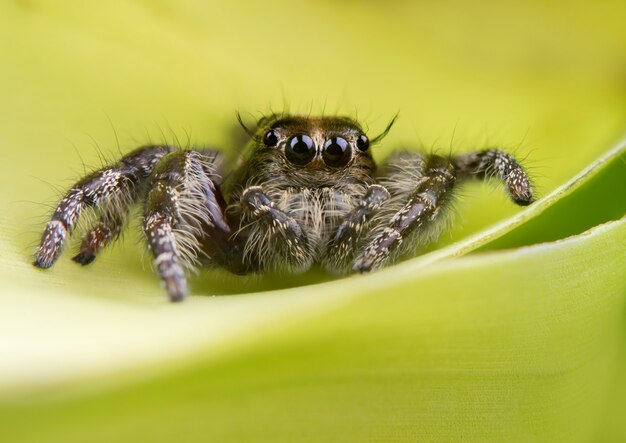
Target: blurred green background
[82, 81]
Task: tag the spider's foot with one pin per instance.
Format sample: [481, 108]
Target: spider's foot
[176, 289]
[84, 258]
[361, 269]
[41, 263]
[364, 265]
[520, 190]
[46, 257]
[51, 244]
[523, 200]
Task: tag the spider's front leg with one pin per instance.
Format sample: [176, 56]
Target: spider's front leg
[273, 239]
[421, 187]
[111, 191]
[184, 219]
[342, 246]
[499, 164]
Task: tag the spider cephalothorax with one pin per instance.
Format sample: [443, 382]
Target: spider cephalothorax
[308, 152]
[306, 191]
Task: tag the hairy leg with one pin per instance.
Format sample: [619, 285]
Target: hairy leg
[342, 246]
[103, 233]
[414, 210]
[499, 164]
[272, 238]
[421, 187]
[184, 217]
[111, 191]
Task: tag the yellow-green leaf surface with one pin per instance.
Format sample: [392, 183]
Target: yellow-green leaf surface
[511, 328]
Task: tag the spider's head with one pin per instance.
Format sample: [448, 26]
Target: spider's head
[312, 151]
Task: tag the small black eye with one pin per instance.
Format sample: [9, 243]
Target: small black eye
[362, 143]
[336, 152]
[270, 138]
[300, 149]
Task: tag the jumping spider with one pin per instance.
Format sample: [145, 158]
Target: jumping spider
[306, 192]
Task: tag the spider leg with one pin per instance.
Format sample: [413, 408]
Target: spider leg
[184, 219]
[342, 245]
[111, 190]
[411, 213]
[98, 237]
[276, 239]
[496, 163]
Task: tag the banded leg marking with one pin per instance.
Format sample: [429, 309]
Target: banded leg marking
[421, 209]
[111, 190]
[344, 243]
[184, 217]
[96, 239]
[497, 163]
[159, 231]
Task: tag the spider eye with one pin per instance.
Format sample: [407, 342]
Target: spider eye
[270, 138]
[300, 149]
[363, 143]
[336, 151]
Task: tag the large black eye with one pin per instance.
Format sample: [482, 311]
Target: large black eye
[362, 143]
[300, 149]
[336, 152]
[270, 138]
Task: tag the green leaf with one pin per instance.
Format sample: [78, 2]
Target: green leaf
[511, 345]
[512, 331]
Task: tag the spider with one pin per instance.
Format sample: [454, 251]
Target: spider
[306, 192]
